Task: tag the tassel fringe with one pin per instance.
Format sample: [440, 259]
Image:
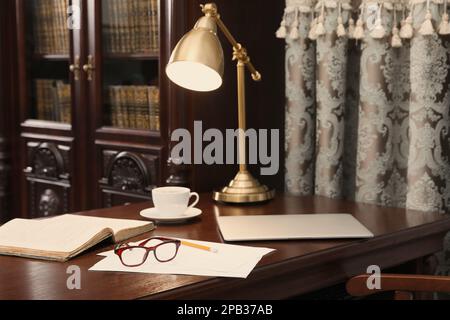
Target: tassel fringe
[312, 30]
[396, 41]
[351, 28]
[426, 29]
[341, 32]
[359, 29]
[356, 30]
[320, 28]
[294, 34]
[378, 31]
[406, 31]
[281, 32]
[444, 27]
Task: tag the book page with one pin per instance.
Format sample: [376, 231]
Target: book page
[64, 233]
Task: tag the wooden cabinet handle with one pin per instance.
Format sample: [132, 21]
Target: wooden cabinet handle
[28, 170]
[75, 68]
[89, 67]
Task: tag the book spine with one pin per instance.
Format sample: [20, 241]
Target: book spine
[107, 25]
[154, 108]
[68, 100]
[48, 27]
[146, 26]
[51, 36]
[64, 102]
[62, 28]
[48, 99]
[39, 99]
[140, 22]
[54, 26]
[65, 29]
[55, 101]
[40, 18]
[157, 110]
[58, 4]
[154, 26]
[124, 32]
[115, 121]
[146, 108]
[131, 29]
[61, 102]
[140, 106]
[37, 27]
[122, 107]
[115, 30]
[113, 106]
[43, 45]
[131, 106]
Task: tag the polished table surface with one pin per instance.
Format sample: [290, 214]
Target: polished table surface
[296, 267]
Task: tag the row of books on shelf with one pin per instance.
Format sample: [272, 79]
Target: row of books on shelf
[131, 26]
[134, 107]
[53, 100]
[51, 34]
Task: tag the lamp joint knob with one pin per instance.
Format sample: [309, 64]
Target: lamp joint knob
[209, 9]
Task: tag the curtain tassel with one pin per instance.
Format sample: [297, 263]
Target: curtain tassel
[359, 30]
[444, 27]
[340, 31]
[281, 32]
[426, 29]
[396, 41]
[358, 34]
[312, 29]
[406, 31]
[320, 28]
[340, 28]
[351, 28]
[378, 31]
[294, 34]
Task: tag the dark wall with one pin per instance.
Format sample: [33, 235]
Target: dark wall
[6, 101]
[253, 23]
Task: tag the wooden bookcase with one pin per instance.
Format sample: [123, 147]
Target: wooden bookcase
[95, 148]
[90, 162]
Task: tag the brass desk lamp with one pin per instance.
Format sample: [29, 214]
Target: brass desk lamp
[200, 53]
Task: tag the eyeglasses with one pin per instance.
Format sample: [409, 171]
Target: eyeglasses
[164, 250]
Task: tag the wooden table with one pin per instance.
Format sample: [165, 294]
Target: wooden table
[295, 268]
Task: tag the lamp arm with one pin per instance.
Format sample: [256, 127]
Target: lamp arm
[239, 52]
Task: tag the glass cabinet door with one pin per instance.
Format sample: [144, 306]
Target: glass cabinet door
[130, 71]
[47, 47]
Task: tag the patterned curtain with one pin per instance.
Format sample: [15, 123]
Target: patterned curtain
[368, 101]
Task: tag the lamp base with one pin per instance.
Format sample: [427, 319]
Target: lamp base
[244, 188]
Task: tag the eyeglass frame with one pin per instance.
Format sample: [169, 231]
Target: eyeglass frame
[120, 248]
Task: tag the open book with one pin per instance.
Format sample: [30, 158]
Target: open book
[64, 237]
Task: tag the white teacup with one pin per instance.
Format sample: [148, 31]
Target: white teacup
[173, 201]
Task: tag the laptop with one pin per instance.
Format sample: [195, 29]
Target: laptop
[291, 227]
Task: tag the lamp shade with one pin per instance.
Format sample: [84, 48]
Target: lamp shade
[197, 62]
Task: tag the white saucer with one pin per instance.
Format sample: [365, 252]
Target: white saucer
[155, 215]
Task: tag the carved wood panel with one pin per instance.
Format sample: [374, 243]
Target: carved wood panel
[128, 177]
[48, 178]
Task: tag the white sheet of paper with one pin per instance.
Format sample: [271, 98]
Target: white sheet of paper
[229, 261]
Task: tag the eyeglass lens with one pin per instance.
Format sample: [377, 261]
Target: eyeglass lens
[136, 256]
[133, 256]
